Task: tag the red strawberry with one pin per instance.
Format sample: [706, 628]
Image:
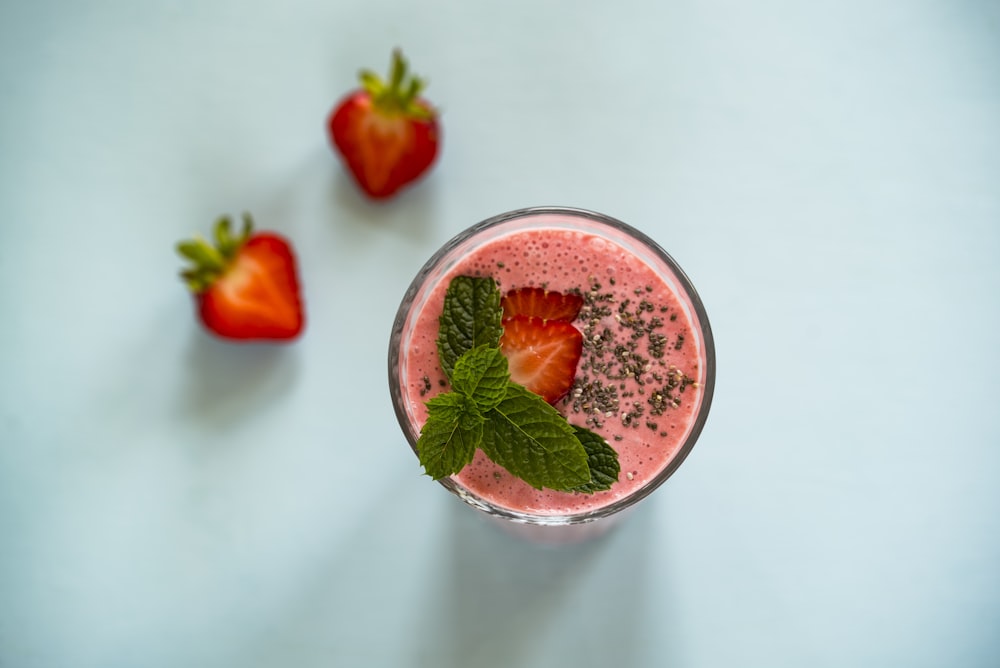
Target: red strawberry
[386, 134]
[246, 286]
[542, 355]
[540, 303]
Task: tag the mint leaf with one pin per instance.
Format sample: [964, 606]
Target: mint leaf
[447, 406]
[526, 436]
[449, 438]
[602, 459]
[471, 318]
[481, 374]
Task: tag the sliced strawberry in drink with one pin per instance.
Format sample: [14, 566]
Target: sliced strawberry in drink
[541, 303]
[542, 355]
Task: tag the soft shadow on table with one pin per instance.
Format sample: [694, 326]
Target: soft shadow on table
[391, 586]
[226, 382]
[411, 212]
[508, 602]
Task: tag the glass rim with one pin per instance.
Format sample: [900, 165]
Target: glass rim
[686, 287]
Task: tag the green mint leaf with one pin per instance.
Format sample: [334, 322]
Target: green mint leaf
[470, 318]
[602, 459]
[526, 436]
[451, 406]
[449, 438]
[481, 374]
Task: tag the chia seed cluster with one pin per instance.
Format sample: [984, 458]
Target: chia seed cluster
[627, 378]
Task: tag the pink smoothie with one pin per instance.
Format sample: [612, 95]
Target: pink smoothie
[639, 382]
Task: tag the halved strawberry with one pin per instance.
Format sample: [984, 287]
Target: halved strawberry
[246, 286]
[386, 133]
[541, 303]
[542, 355]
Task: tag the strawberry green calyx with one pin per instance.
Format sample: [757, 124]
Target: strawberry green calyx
[209, 262]
[400, 95]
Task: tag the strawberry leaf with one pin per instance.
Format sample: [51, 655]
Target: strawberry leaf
[529, 438]
[209, 262]
[449, 438]
[471, 318]
[400, 93]
[481, 374]
[602, 460]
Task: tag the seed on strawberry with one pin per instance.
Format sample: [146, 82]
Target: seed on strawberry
[542, 354]
[386, 134]
[246, 286]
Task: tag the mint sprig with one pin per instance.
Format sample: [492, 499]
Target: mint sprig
[514, 427]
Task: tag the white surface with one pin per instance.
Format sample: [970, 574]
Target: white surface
[828, 174]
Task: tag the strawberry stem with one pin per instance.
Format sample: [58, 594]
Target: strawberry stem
[399, 95]
[398, 70]
[208, 262]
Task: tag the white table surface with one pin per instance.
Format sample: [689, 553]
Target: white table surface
[828, 173]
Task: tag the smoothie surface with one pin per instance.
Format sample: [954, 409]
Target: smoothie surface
[636, 384]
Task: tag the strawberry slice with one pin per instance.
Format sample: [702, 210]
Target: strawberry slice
[542, 354]
[386, 134]
[541, 303]
[246, 286]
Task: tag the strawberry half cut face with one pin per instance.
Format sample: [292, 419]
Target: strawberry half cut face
[542, 354]
[385, 132]
[258, 296]
[246, 284]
